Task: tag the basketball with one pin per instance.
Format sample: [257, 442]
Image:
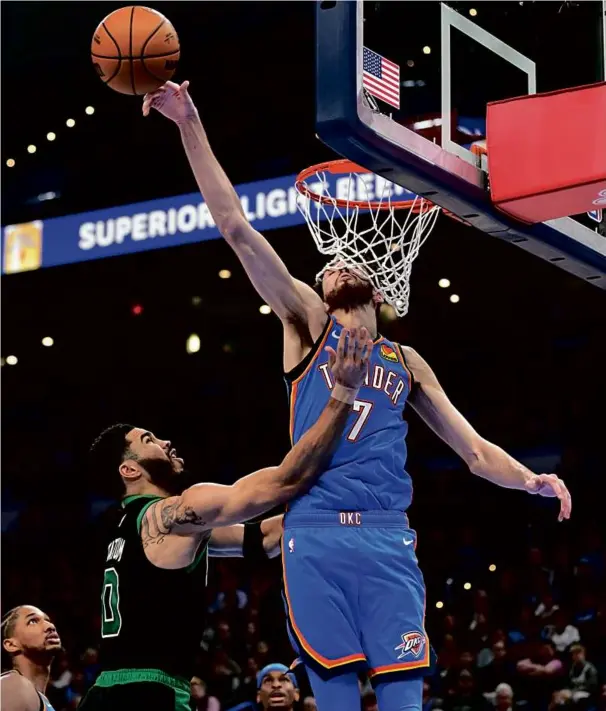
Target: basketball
[135, 50]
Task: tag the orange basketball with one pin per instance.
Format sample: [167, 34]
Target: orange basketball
[135, 50]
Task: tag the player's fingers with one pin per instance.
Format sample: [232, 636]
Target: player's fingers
[184, 87]
[332, 356]
[341, 343]
[367, 351]
[361, 344]
[351, 344]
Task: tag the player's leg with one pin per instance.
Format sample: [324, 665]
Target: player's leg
[335, 693]
[399, 694]
[392, 607]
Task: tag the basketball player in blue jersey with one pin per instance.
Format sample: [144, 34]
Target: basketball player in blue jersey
[353, 588]
[30, 640]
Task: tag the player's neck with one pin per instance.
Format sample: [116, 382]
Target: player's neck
[37, 672]
[356, 318]
[145, 489]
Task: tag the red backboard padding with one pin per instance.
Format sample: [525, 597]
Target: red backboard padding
[547, 153]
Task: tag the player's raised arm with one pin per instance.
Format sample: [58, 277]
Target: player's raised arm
[205, 506]
[290, 299]
[483, 458]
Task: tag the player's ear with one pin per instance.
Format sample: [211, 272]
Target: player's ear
[297, 695]
[258, 698]
[129, 470]
[10, 645]
[377, 297]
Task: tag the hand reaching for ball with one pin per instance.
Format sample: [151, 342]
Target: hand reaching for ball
[172, 101]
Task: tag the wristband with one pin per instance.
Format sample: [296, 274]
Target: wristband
[252, 546]
[344, 394]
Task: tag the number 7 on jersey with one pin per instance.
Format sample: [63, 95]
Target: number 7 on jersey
[363, 409]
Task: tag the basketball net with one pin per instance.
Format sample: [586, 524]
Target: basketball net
[385, 250]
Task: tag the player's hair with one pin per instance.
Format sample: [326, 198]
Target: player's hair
[9, 620]
[110, 448]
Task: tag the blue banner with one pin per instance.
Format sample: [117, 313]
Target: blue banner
[268, 204]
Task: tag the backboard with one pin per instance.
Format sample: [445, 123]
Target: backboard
[447, 61]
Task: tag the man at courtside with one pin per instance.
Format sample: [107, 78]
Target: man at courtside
[353, 588]
[31, 642]
[156, 564]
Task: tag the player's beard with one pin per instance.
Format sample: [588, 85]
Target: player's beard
[162, 474]
[349, 296]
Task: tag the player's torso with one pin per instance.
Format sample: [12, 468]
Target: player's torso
[366, 472]
[151, 617]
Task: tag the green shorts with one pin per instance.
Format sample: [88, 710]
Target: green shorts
[145, 689]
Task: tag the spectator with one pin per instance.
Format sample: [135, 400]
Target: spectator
[539, 675]
[503, 698]
[200, 700]
[583, 675]
[562, 634]
[465, 696]
[277, 688]
[499, 671]
[309, 704]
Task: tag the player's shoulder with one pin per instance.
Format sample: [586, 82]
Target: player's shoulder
[18, 692]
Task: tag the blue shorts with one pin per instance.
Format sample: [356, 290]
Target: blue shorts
[353, 590]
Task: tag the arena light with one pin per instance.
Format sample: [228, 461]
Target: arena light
[11, 360]
[444, 283]
[137, 310]
[265, 309]
[70, 123]
[50, 136]
[492, 567]
[387, 312]
[193, 343]
[224, 274]
[472, 11]
[439, 604]
[426, 50]
[410, 63]
[455, 298]
[10, 163]
[228, 348]
[196, 301]
[47, 342]
[90, 110]
[467, 586]
[450, 581]
[31, 148]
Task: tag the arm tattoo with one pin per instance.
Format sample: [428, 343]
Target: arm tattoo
[162, 519]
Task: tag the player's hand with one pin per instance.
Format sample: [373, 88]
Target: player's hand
[350, 361]
[551, 486]
[172, 101]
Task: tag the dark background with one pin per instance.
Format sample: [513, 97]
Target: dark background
[521, 354]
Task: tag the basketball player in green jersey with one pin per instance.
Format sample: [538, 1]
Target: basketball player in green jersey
[31, 642]
[156, 562]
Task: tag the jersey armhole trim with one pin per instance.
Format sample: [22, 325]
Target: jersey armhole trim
[406, 366]
[296, 372]
[144, 511]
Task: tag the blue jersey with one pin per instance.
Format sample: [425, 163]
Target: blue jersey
[366, 471]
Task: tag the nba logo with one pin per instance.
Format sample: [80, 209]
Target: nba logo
[22, 247]
[412, 644]
[291, 545]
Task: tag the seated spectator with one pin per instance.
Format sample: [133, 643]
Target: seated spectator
[539, 675]
[500, 670]
[429, 702]
[583, 675]
[200, 700]
[503, 698]
[561, 633]
[465, 697]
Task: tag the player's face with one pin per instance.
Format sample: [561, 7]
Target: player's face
[277, 691]
[346, 288]
[34, 633]
[158, 458]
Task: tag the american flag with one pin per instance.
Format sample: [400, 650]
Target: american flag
[381, 78]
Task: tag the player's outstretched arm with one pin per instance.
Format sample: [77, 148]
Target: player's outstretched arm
[229, 541]
[206, 506]
[483, 458]
[290, 299]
